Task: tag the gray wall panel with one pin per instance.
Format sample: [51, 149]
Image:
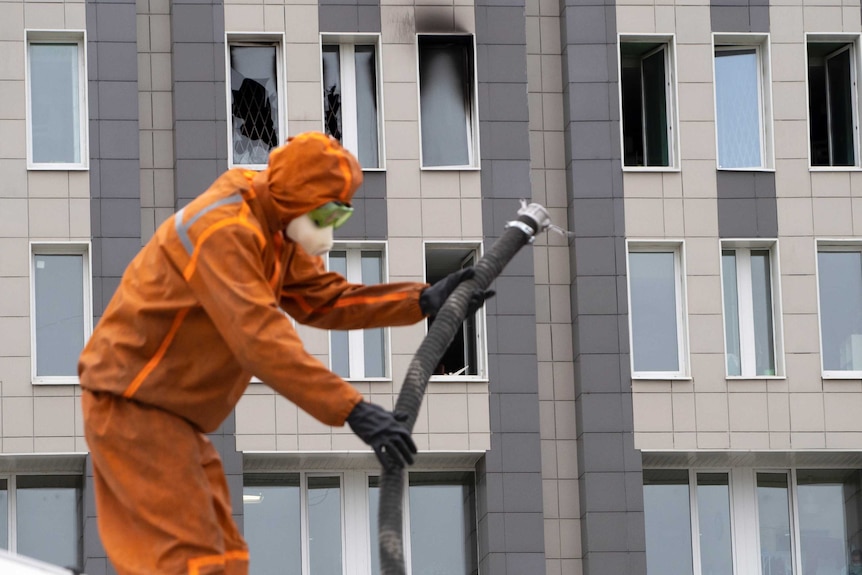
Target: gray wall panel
[510, 485]
[739, 15]
[747, 206]
[611, 515]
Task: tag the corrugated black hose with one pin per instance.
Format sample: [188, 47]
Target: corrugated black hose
[532, 219]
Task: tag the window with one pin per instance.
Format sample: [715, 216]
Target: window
[743, 520]
[61, 317]
[657, 310]
[751, 316]
[839, 280]
[56, 101]
[447, 101]
[257, 118]
[32, 506]
[833, 114]
[358, 354]
[648, 95]
[351, 95]
[307, 523]
[742, 111]
[465, 357]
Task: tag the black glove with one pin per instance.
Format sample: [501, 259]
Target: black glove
[432, 298]
[382, 430]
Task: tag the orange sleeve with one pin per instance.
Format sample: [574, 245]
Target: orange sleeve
[229, 282]
[326, 300]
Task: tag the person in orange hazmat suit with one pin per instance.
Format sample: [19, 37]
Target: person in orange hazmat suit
[197, 313]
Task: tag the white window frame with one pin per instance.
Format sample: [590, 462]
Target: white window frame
[856, 72]
[833, 245]
[355, 336]
[350, 131]
[12, 498]
[473, 147]
[263, 39]
[678, 248]
[79, 37]
[743, 248]
[60, 248]
[481, 321]
[761, 43]
[671, 99]
[355, 510]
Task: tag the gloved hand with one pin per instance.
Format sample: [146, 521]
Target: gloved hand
[432, 298]
[382, 430]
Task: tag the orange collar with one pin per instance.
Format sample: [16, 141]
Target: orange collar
[261, 190]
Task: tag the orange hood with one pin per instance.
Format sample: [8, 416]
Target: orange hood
[310, 170]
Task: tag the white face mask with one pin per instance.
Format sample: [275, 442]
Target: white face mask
[314, 240]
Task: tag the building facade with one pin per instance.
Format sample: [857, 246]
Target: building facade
[673, 388]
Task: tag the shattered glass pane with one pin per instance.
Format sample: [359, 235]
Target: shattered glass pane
[254, 104]
[332, 91]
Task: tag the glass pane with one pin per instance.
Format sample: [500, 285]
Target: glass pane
[271, 523]
[840, 280]
[59, 291]
[737, 105]
[4, 514]
[373, 529]
[761, 293]
[713, 512]
[667, 522]
[55, 105]
[445, 96]
[652, 277]
[254, 104]
[773, 518]
[655, 108]
[443, 523]
[366, 105]
[339, 353]
[839, 86]
[324, 525]
[372, 273]
[731, 311]
[829, 515]
[332, 91]
[50, 504]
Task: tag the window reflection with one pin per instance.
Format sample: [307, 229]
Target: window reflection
[443, 524]
[272, 523]
[840, 282]
[655, 342]
[667, 521]
[773, 510]
[713, 511]
[49, 504]
[324, 525]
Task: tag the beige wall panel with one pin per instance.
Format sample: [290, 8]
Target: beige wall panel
[245, 18]
[841, 411]
[833, 217]
[49, 218]
[636, 19]
[44, 15]
[806, 412]
[698, 179]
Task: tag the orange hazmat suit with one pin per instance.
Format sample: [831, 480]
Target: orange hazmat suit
[196, 314]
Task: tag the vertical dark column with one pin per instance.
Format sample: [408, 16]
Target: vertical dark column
[609, 467]
[115, 197]
[511, 527]
[200, 125]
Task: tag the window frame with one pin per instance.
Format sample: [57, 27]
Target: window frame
[481, 318]
[761, 43]
[356, 510]
[853, 41]
[832, 245]
[60, 248]
[347, 64]
[671, 98]
[747, 354]
[683, 347]
[54, 36]
[355, 336]
[277, 40]
[473, 146]
[11, 479]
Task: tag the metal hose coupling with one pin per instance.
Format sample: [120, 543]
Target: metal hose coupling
[533, 219]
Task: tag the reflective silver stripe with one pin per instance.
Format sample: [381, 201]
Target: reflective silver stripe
[183, 228]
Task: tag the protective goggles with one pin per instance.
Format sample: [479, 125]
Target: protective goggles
[331, 214]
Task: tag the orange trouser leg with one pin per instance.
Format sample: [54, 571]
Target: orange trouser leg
[161, 497]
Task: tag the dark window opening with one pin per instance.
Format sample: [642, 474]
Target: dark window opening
[645, 79]
[831, 101]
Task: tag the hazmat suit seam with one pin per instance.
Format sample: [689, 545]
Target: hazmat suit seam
[159, 355]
